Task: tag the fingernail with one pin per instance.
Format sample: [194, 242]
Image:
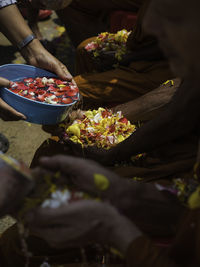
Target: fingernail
[22, 116]
[68, 76]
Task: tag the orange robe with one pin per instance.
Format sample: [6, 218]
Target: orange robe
[124, 83]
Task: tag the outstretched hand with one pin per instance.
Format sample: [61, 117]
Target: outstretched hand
[36, 55]
[87, 175]
[14, 186]
[101, 155]
[81, 223]
[8, 113]
[44, 60]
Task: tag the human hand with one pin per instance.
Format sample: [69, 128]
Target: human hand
[86, 175]
[81, 223]
[149, 208]
[101, 155]
[38, 56]
[15, 184]
[8, 113]
[55, 130]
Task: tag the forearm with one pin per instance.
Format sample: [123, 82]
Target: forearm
[122, 233]
[178, 118]
[14, 27]
[150, 104]
[151, 135]
[138, 249]
[154, 212]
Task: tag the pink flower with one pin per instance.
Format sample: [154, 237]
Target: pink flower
[91, 46]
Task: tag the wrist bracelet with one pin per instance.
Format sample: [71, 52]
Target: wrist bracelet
[26, 41]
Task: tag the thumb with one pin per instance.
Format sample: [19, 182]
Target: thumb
[9, 113]
[4, 82]
[62, 72]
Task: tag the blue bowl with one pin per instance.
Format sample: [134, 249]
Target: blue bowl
[36, 112]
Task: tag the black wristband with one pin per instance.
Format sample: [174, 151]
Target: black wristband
[26, 41]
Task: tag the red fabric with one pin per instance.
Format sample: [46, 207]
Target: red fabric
[122, 20]
[43, 14]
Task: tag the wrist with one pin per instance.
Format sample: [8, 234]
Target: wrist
[123, 234]
[26, 41]
[33, 49]
[120, 231]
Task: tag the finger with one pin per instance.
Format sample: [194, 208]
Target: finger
[61, 70]
[78, 114]
[60, 162]
[47, 216]
[58, 237]
[9, 113]
[52, 129]
[4, 82]
[74, 82]
[76, 148]
[51, 235]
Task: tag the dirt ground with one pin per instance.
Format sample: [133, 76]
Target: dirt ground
[25, 137]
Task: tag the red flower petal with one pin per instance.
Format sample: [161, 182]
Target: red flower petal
[41, 92]
[58, 82]
[75, 98]
[52, 88]
[32, 86]
[123, 120]
[22, 87]
[16, 91]
[59, 93]
[64, 89]
[41, 98]
[66, 100]
[71, 93]
[32, 90]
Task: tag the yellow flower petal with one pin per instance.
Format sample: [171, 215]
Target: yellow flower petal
[101, 182]
[194, 199]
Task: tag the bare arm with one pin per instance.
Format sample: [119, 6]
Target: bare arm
[177, 119]
[16, 30]
[13, 25]
[150, 104]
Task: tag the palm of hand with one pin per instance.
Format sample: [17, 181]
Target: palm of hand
[61, 227]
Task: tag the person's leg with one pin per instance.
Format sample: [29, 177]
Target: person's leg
[122, 84]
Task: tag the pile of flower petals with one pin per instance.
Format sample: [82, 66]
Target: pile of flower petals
[47, 90]
[101, 128]
[109, 42]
